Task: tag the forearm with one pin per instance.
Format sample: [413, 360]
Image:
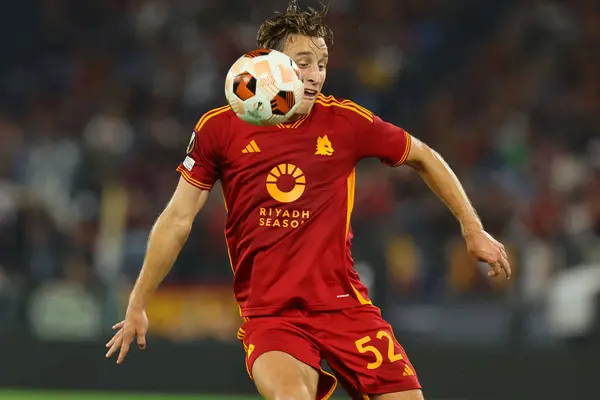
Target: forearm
[443, 182]
[166, 240]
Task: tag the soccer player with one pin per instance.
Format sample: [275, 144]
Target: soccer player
[289, 192]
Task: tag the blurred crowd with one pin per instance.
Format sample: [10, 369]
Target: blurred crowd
[98, 102]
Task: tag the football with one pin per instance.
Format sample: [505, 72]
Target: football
[264, 87]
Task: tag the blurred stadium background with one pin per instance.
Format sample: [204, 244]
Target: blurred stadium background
[97, 102]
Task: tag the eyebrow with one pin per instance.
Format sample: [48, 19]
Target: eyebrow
[308, 54]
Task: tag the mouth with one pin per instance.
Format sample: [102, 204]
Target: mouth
[310, 94]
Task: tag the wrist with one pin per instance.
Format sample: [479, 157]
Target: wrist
[136, 303]
[470, 227]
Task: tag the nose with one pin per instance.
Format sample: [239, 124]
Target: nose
[312, 75]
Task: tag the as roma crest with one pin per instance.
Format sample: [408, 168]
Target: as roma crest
[192, 144]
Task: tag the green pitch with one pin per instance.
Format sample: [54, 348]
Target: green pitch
[50, 395]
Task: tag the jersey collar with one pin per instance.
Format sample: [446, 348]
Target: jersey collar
[294, 124]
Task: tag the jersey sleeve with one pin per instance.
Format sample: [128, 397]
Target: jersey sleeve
[377, 138]
[200, 167]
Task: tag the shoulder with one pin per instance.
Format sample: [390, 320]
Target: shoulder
[345, 108]
[216, 118]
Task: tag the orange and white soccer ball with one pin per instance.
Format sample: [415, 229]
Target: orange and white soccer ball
[264, 87]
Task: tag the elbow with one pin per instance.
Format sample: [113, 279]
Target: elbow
[177, 224]
[418, 165]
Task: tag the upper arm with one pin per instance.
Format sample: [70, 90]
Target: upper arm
[419, 154]
[388, 142]
[186, 202]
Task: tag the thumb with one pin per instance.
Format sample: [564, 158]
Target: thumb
[141, 340]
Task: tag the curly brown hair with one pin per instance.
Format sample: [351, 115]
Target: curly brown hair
[274, 31]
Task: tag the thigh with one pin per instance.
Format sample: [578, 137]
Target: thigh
[360, 346]
[279, 375]
[356, 394]
[283, 360]
[407, 395]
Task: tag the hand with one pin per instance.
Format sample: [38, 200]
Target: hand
[482, 246]
[135, 325]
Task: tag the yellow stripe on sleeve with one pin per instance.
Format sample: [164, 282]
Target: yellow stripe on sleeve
[192, 181]
[406, 150]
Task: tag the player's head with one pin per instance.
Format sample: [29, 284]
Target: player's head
[302, 35]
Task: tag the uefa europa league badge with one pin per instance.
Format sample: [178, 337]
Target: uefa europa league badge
[192, 143]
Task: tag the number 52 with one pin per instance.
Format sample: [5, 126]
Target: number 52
[392, 356]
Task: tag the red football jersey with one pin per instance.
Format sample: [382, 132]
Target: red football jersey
[289, 193]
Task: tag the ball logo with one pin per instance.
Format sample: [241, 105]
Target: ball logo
[286, 183]
[256, 109]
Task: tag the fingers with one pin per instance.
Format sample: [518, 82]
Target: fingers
[113, 339]
[141, 340]
[495, 256]
[127, 338]
[500, 263]
[495, 268]
[114, 343]
[118, 325]
[123, 338]
[503, 260]
[505, 265]
[503, 251]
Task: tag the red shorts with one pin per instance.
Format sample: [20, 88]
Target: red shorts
[357, 343]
